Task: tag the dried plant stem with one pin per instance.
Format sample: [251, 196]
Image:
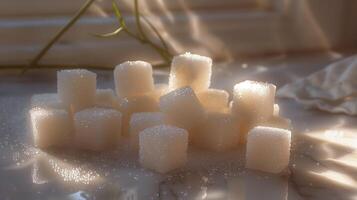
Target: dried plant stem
[157, 33]
[74, 19]
[141, 36]
[162, 49]
[138, 22]
[163, 52]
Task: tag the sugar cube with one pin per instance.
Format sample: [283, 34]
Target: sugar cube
[160, 90]
[47, 101]
[130, 105]
[254, 100]
[133, 78]
[268, 149]
[105, 98]
[97, 128]
[190, 70]
[214, 99]
[276, 111]
[163, 148]
[76, 88]
[141, 121]
[218, 132]
[50, 127]
[182, 108]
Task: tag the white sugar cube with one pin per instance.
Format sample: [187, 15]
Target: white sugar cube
[50, 127]
[76, 88]
[268, 149]
[163, 148]
[141, 121]
[276, 111]
[214, 99]
[182, 108]
[160, 90]
[47, 101]
[190, 70]
[218, 132]
[254, 100]
[97, 128]
[137, 104]
[105, 98]
[133, 78]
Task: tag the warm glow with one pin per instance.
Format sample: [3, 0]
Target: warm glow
[342, 137]
[49, 167]
[73, 174]
[334, 178]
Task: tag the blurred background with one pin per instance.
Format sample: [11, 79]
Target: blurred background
[225, 30]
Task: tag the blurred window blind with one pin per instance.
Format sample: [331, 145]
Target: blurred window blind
[26, 25]
[36, 8]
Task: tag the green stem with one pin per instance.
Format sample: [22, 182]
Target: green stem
[44, 50]
[157, 33]
[137, 20]
[141, 37]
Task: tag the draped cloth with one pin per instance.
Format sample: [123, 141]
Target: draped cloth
[332, 89]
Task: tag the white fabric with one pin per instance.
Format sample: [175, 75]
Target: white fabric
[332, 89]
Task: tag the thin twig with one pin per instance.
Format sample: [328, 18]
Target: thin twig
[141, 37]
[74, 19]
[157, 33]
[116, 32]
[118, 14]
[137, 20]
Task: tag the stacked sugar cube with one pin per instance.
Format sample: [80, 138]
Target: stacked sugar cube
[78, 114]
[162, 120]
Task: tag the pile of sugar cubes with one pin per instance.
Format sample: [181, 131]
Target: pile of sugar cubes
[161, 120]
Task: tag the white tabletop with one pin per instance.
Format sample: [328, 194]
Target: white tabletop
[323, 163]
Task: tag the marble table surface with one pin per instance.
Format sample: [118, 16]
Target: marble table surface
[323, 161]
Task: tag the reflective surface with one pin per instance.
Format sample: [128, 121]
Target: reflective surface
[323, 162]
